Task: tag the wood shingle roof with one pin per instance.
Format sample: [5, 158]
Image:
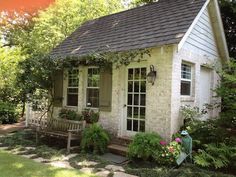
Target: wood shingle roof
[161, 23]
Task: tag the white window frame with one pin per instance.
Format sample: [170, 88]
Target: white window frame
[187, 80]
[87, 87]
[66, 86]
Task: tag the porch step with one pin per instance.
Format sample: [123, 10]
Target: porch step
[121, 140]
[118, 149]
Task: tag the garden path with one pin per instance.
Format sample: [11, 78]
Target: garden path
[8, 128]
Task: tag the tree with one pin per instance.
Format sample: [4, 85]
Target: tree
[37, 34]
[9, 60]
[228, 12]
[49, 27]
[136, 3]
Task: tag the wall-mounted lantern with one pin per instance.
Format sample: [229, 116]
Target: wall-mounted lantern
[151, 76]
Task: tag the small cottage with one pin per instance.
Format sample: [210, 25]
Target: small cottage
[184, 39]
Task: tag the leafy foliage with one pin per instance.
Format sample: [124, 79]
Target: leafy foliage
[144, 146]
[228, 12]
[70, 115]
[190, 113]
[90, 115]
[169, 154]
[185, 170]
[227, 92]
[9, 59]
[31, 37]
[8, 113]
[141, 2]
[94, 139]
[20, 138]
[217, 156]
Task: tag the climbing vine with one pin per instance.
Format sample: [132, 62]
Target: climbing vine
[104, 60]
[37, 74]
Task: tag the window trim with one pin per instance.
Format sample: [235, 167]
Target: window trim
[187, 80]
[86, 87]
[66, 83]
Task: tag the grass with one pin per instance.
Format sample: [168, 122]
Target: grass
[15, 166]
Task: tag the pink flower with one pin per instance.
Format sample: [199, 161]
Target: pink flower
[163, 143]
[178, 140]
[171, 149]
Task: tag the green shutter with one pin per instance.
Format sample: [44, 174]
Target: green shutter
[105, 90]
[58, 88]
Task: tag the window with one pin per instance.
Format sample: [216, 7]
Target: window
[72, 87]
[93, 87]
[186, 79]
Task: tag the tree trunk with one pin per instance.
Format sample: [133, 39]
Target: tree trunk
[23, 107]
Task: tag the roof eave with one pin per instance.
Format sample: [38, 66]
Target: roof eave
[219, 28]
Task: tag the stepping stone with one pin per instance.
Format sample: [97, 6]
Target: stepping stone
[87, 163]
[19, 152]
[3, 148]
[30, 148]
[122, 174]
[117, 159]
[29, 156]
[61, 164]
[114, 168]
[103, 173]
[40, 159]
[87, 170]
[70, 156]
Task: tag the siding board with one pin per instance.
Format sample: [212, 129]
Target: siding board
[202, 40]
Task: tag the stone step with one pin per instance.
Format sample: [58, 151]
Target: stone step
[122, 140]
[118, 149]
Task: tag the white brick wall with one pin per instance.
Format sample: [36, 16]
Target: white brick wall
[163, 99]
[197, 60]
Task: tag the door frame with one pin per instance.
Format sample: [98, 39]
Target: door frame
[141, 64]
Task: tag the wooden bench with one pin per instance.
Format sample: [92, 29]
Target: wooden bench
[60, 128]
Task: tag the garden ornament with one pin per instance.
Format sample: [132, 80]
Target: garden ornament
[186, 150]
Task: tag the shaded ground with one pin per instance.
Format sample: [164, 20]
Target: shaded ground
[8, 128]
[23, 143]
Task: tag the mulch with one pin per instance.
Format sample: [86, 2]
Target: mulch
[9, 128]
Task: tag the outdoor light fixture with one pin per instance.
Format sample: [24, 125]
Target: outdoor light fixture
[151, 76]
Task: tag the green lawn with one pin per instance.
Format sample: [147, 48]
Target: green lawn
[16, 166]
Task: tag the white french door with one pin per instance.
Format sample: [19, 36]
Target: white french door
[136, 100]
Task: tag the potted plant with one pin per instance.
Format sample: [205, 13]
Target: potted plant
[90, 116]
[70, 115]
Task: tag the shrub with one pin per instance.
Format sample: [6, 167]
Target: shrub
[190, 113]
[217, 156]
[144, 146]
[8, 113]
[94, 139]
[70, 115]
[90, 116]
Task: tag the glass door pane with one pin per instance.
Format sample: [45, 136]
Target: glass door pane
[136, 100]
